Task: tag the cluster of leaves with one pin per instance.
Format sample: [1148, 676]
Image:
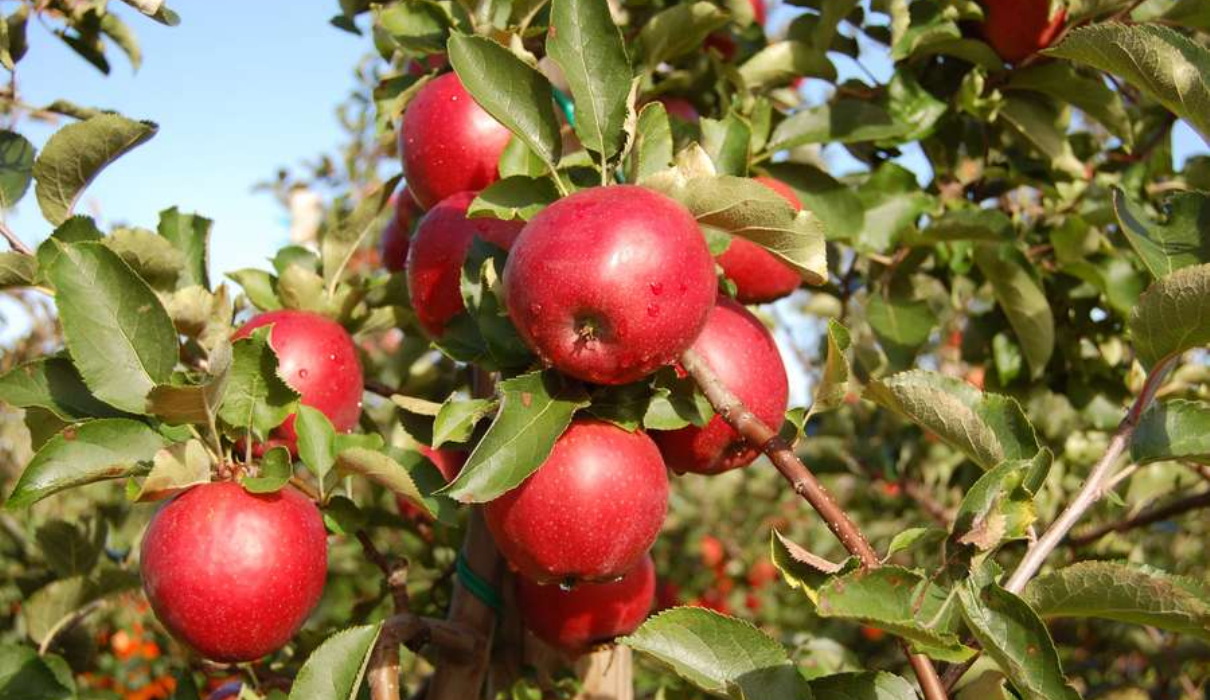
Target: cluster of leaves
[1055, 259]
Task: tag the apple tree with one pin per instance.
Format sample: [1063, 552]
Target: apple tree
[635, 352]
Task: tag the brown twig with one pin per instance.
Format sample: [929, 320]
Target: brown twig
[383, 671]
[1145, 518]
[805, 484]
[13, 240]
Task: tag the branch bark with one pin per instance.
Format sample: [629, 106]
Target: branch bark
[1145, 518]
[13, 240]
[806, 485]
[383, 671]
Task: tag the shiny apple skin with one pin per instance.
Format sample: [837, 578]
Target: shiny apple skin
[449, 143]
[317, 358]
[1017, 29]
[610, 284]
[758, 275]
[231, 574]
[592, 510]
[396, 237]
[588, 614]
[439, 247]
[741, 352]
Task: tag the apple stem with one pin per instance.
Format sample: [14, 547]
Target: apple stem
[806, 485]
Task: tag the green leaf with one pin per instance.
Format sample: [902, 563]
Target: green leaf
[517, 197]
[997, 507]
[108, 448]
[835, 203]
[1092, 96]
[624, 406]
[678, 30]
[195, 403]
[518, 96]
[25, 675]
[52, 604]
[652, 150]
[77, 153]
[72, 548]
[334, 670]
[588, 46]
[486, 319]
[676, 403]
[801, 568]
[1181, 240]
[862, 686]
[175, 469]
[417, 27]
[54, 384]
[1014, 636]
[1175, 429]
[16, 167]
[988, 428]
[123, 36]
[1117, 591]
[845, 121]
[899, 601]
[834, 380]
[968, 225]
[726, 141]
[259, 286]
[901, 325]
[720, 654]
[190, 234]
[152, 257]
[257, 399]
[382, 470]
[893, 203]
[1037, 120]
[276, 468]
[17, 270]
[119, 335]
[1023, 301]
[783, 61]
[535, 409]
[457, 418]
[1166, 65]
[343, 239]
[316, 441]
[746, 208]
[1172, 316]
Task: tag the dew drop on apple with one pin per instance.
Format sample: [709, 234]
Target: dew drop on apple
[657, 288]
[653, 310]
[302, 374]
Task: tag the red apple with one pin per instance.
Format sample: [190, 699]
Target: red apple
[758, 275]
[1017, 29]
[317, 358]
[589, 614]
[590, 512]
[396, 235]
[610, 284]
[449, 143]
[232, 574]
[740, 350]
[679, 108]
[758, 11]
[439, 247]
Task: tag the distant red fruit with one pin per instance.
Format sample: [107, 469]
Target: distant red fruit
[740, 350]
[449, 143]
[398, 231]
[439, 247]
[610, 284]
[762, 573]
[589, 614]
[758, 275]
[232, 574]
[714, 553]
[590, 512]
[317, 358]
[1017, 29]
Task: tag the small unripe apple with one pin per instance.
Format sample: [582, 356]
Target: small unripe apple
[449, 143]
[575, 620]
[397, 234]
[317, 358]
[741, 352]
[1017, 29]
[610, 284]
[232, 574]
[439, 247]
[590, 512]
[758, 275]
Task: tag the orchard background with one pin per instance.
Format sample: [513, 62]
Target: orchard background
[985, 475]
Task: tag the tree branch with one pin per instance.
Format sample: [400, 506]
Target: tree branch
[1145, 518]
[13, 240]
[805, 484]
[383, 671]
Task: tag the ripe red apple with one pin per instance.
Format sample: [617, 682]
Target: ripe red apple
[758, 11]
[232, 574]
[590, 512]
[396, 236]
[439, 247]
[449, 143]
[1017, 29]
[740, 350]
[610, 284]
[589, 614]
[317, 358]
[679, 108]
[758, 275]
